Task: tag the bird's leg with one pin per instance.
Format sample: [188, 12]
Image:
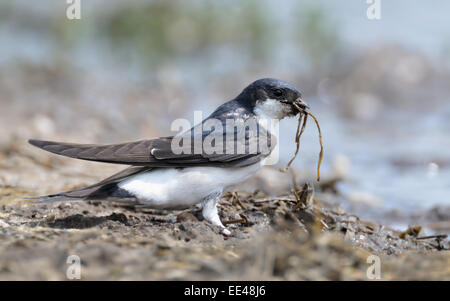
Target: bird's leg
[210, 212]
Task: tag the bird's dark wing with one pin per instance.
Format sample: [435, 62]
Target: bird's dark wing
[133, 153]
[160, 152]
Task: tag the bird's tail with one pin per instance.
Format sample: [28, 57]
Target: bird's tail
[100, 190]
[72, 195]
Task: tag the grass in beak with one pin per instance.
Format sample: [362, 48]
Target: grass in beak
[321, 145]
[300, 129]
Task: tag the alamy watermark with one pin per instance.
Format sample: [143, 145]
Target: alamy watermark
[373, 12]
[374, 270]
[232, 136]
[73, 10]
[73, 271]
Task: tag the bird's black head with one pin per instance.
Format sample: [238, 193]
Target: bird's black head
[272, 98]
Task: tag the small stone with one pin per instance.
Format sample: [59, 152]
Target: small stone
[186, 217]
[3, 224]
[50, 218]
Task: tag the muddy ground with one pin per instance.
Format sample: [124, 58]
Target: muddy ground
[295, 236]
[292, 236]
[286, 235]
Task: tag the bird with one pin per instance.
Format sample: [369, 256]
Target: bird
[164, 173]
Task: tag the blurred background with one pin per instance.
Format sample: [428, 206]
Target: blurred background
[127, 69]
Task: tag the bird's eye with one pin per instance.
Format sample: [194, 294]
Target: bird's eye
[277, 92]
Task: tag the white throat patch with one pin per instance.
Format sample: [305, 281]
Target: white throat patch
[271, 109]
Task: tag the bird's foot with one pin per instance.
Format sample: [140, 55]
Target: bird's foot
[211, 214]
[225, 232]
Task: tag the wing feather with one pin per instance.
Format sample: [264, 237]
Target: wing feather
[158, 152]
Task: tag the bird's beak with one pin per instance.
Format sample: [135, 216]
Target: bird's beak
[301, 106]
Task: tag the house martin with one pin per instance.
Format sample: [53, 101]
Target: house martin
[195, 166]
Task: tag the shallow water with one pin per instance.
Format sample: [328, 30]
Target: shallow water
[403, 164]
